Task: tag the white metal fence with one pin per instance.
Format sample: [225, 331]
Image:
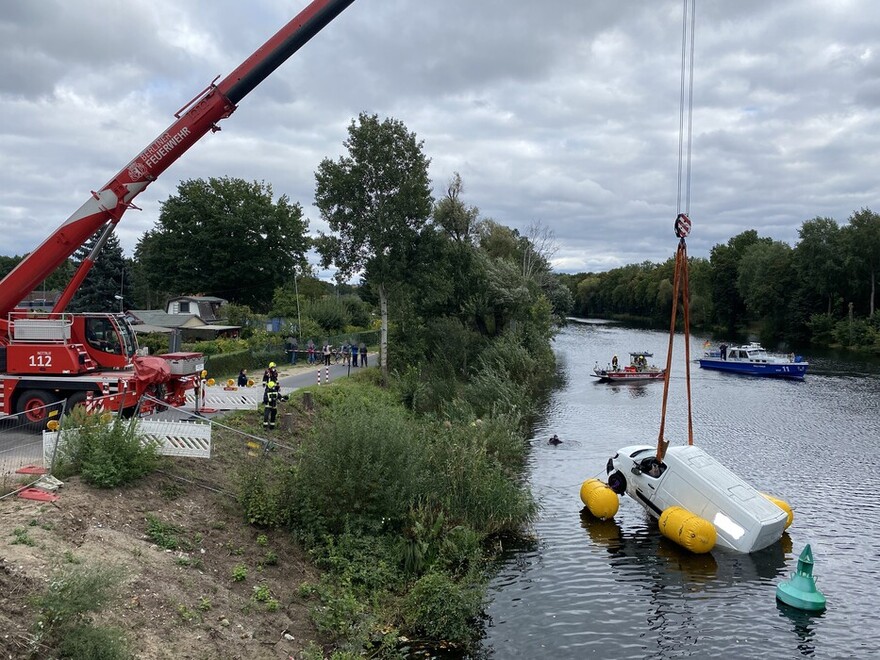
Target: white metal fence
[170, 437]
[22, 460]
[227, 398]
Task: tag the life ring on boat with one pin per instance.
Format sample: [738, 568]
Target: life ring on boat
[617, 482]
[682, 225]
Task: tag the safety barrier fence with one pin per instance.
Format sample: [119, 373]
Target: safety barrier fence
[170, 437]
[22, 460]
[29, 453]
[227, 397]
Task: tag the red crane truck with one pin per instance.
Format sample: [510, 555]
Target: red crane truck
[48, 357]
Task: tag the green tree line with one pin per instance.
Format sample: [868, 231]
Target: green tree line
[821, 291]
[442, 278]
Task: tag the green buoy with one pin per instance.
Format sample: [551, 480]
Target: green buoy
[801, 591]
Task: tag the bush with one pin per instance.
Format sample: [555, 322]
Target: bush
[65, 611]
[493, 392]
[359, 465]
[473, 488]
[107, 453]
[855, 333]
[265, 491]
[226, 364]
[439, 609]
[90, 642]
[821, 329]
[330, 313]
[156, 342]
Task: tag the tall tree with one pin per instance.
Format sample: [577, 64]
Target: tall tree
[817, 258]
[765, 282]
[104, 288]
[863, 243]
[728, 303]
[376, 200]
[225, 237]
[456, 219]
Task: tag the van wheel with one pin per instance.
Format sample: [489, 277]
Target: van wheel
[617, 482]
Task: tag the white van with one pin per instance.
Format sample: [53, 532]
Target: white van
[688, 477]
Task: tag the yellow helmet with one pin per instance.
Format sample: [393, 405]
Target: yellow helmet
[271, 365]
[204, 373]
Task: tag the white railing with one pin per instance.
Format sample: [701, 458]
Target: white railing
[171, 438]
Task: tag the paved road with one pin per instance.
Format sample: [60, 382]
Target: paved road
[295, 377]
[291, 378]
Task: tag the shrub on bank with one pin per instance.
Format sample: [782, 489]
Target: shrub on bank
[382, 498]
[226, 364]
[398, 492]
[106, 452]
[438, 607]
[65, 623]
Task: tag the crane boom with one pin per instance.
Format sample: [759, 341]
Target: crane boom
[217, 102]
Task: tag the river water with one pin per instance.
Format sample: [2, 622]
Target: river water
[616, 589]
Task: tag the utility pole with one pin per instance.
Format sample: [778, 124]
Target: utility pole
[298, 317]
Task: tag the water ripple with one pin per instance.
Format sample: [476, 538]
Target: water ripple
[617, 589]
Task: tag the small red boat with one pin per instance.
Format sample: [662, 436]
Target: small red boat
[637, 370]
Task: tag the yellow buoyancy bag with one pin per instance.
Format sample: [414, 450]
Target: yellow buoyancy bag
[688, 530]
[782, 504]
[599, 499]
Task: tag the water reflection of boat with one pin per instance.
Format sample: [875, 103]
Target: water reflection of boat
[638, 370]
[754, 360]
[633, 390]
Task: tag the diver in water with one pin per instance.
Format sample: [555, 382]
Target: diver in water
[554, 440]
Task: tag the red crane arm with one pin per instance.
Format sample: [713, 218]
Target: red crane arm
[216, 103]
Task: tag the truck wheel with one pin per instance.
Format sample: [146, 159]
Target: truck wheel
[33, 406]
[74, 400]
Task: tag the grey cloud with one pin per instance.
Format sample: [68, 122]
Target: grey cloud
[564, 111]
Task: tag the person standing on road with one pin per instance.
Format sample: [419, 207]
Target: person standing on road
[311, 350]
[363, 352]
[242, 378]
[326, 352]
[201, 385]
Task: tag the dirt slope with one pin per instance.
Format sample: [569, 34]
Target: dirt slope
[175, 603]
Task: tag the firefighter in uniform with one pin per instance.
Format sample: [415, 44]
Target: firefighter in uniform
[269, 376]
[200, 392]
[270, 412]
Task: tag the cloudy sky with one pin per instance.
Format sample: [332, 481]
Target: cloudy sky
[560, 112]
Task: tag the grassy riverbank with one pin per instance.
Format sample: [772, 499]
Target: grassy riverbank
[363, 525]
[401, 511]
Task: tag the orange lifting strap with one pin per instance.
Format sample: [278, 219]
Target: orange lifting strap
[680, 283]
